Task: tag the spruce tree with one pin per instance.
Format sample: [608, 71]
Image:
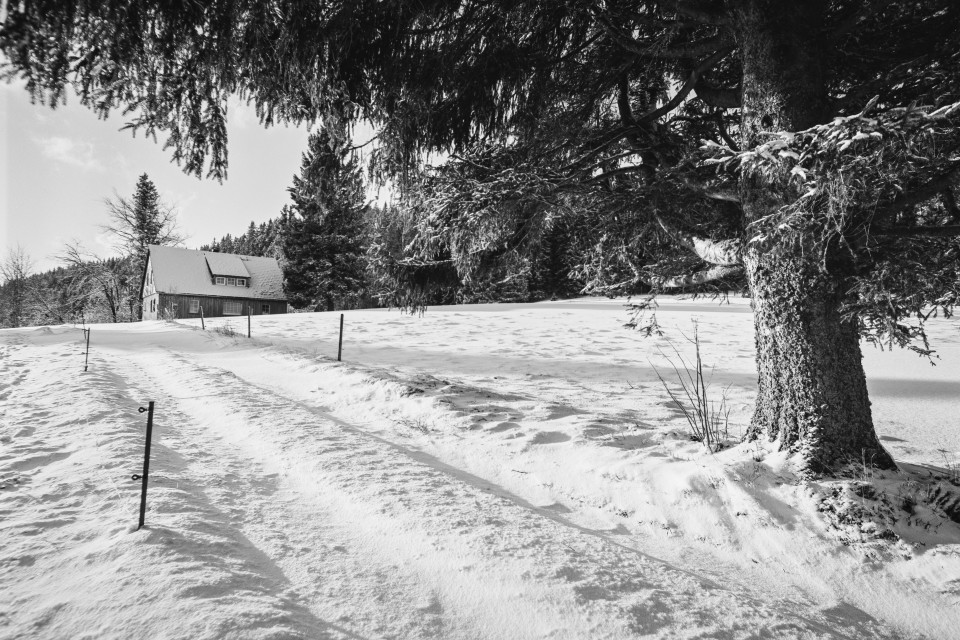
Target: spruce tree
[147, 221]
[806, 147]
[323, 238]
[141, 220]
[135, 223]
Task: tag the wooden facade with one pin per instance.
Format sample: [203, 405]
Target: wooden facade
[174, 306]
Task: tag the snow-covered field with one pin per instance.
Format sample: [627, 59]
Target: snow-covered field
[485, 471]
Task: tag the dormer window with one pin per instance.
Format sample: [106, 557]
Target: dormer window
[227, 270]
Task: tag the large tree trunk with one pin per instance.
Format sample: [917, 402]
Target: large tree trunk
[812, 396]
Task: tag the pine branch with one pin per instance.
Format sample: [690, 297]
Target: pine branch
[946, 231]
[687, 87]
[856, 17]
[698, 12]
[685, 51]
[718, 116]
[950, 203]
[647, 170]
[925, 192]
[718, 97]
[722, 253]
[700, 277]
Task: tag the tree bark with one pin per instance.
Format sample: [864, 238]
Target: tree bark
[812, 397]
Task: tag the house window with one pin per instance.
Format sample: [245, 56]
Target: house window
[241, 282]
[231, 282]
[194, 306]
[221, 280]
[232, 308]
[264, 308]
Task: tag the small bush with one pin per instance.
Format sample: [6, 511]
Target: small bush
[709, 420]
[227, 330]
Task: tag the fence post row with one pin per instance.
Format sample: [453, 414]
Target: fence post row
[146, 465]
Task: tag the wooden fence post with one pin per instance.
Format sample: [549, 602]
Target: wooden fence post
[248, 320]
[203, 325]
[86, 358]
[340, 345]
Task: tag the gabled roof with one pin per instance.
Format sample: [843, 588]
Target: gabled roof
[190, 272]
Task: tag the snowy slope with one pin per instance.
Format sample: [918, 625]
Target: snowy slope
[488, 471]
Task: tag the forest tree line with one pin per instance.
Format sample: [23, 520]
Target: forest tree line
[338, 250]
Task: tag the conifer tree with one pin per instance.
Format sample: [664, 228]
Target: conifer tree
[323, 238]
[141, 221]
[135, 223]
[808, 148]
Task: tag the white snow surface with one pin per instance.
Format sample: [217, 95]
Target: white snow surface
[481, 471]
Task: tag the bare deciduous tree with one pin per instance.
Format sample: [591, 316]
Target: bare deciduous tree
[99, 286]
[15, 269]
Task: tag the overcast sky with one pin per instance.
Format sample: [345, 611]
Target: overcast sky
[57, 166]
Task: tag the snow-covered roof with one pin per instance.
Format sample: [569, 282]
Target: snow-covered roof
[226, 264]
[190, 272]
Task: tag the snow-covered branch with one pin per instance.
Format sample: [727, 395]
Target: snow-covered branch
[701, 277]
[722, 253]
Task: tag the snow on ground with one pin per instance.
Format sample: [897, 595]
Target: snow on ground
[484, 471]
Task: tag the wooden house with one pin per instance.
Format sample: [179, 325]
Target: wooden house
[182, 283]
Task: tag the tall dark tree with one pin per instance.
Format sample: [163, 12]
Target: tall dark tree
[810, 147]
[141, 220]
[323, 238]
[135, 224]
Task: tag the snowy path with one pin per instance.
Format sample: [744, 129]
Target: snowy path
[386, 542]
[289, 500]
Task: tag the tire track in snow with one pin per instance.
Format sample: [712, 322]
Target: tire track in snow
[480, 565]
[364, 599]
[70, 564]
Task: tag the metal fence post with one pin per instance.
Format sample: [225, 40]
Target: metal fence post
[146, 465]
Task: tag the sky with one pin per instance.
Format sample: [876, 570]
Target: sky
[58, 166]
